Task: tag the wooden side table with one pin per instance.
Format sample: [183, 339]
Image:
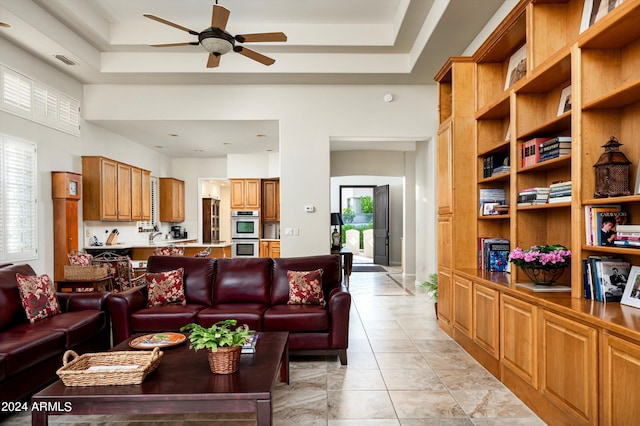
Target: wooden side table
[347, 262]
[102, 284]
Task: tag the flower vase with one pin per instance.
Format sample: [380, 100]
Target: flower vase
[542, 276]
[225, 360]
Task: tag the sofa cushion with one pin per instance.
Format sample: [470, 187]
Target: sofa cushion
[197, 278]
[296, 318]
[305, 287]
[331, 275]
[242, 280]
[23, 349]
[12, 312]
[3, 367]
[164, 318]
[38, 295]
[244, 313]
[165, 288]
[78, 326]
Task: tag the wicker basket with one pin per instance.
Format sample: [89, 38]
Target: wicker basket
[85, 273]
[108, 368]
[225, 360]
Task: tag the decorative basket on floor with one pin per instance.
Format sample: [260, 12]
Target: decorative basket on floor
[85, 273]
[541, 276]
[225, 360]
[108, 368]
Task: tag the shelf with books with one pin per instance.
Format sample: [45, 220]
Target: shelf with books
[556, 163]
[545, 206]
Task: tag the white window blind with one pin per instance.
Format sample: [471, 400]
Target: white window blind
[18, 202]
[38, 102]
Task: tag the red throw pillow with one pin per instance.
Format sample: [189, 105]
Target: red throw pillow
[38, 295]
[305, 287]
[166, 288]
[84, 259]
[168, 251]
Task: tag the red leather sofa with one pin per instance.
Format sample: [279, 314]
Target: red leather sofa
[30, 354]
[253, 291]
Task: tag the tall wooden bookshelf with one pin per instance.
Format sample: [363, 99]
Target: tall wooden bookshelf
[573, 361]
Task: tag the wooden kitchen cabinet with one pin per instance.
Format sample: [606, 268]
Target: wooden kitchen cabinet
[462, 302]
[270, 200]
[171, 200]
[486, 319]
[140, 194]
[269, 248]
[108, 191]
[519, 338]
[245, 194]
[621, 375]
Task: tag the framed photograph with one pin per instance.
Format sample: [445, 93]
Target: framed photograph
[517, 67]
[594, 10]
[631, 294]
[565, 100]
[488, 209]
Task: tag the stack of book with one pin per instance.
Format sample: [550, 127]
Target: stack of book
[596, 216]
[554, 148]
[250, 346]
[627, 236]
[531, 151]
[493, 254]
[495, 164]
[604, 278]
[532, 196]
[560, 192]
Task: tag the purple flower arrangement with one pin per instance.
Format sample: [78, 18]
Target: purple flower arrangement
[544, 257]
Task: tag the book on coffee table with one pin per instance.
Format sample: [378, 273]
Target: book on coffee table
[250, 346]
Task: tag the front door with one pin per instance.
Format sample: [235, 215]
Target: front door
[381, 225]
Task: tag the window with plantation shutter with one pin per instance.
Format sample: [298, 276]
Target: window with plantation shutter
[18, 202]
[68, 114]
[45, 104]
[16, 92]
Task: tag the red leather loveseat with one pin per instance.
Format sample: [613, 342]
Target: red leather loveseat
[253, 291]
[31, 353]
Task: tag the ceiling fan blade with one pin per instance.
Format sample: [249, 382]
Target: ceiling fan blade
[186, 43]
[261, 37]
[213, 61]
[171, 24]
[219, 17]
[252, 54]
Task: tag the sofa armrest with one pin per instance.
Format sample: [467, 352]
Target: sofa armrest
[70, 302]
[121, 306]
[339, 305]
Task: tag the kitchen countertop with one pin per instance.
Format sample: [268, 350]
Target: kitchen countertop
[159, 243]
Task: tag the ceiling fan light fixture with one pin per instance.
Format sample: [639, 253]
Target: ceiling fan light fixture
[216, 45]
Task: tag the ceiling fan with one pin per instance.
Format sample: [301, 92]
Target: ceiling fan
[217, 41]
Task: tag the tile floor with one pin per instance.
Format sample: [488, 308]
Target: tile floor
[403, 370]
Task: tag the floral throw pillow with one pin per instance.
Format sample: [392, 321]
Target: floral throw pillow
[168, 251]
[305, 287]
[38, 296]
[83, 259]
[166, 288]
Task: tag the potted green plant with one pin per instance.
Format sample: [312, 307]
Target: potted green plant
[431, 287]
[222, 341]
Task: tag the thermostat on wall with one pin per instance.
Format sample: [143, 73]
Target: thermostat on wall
[309, 209]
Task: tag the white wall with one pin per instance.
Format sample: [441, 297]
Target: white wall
[309, 117]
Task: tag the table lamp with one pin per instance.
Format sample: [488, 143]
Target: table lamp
[336, 236]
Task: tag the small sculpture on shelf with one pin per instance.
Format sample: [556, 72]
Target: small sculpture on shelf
[612, 171]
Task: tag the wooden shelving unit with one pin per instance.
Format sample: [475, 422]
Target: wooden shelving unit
[558, 352]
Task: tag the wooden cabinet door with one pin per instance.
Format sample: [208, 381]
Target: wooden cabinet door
[445, 299]
[252, 197]
[274, 249]
[109, 189]
[237, 194]
[124, 192]
[270, 200]
[145, 195]
[486, 319]
[519, 338]
[179, 200]
[569, 366]
[445, 178]
[621, 376]
[171, 200]
[264, 248]
[462, 304]
[445, 239]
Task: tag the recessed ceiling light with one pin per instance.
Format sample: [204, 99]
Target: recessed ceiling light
[226, 143]
[173, 135]
[4, 25]
[269, 150]
[198, 150]
[261, 135]
[158, 146]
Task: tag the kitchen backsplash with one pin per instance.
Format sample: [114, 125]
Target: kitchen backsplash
[129, 232]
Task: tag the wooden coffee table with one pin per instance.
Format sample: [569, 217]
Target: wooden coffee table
[182, 383]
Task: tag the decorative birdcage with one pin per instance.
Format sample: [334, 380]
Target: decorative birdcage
[612, 171]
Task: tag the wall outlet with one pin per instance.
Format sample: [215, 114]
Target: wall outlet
[87, 233]
[288, 232]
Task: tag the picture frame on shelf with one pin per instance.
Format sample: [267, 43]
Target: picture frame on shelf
[631, 294]
[517, 66]
[565, 100]
[488, 209]
[594, 10]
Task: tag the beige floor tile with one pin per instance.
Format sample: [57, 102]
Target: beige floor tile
[475, 379]
[402, 361]
[491, 404]
[353, 379]
[295, 407]
[360, 405]
[418, 380]
[393, 346]
[425, 404]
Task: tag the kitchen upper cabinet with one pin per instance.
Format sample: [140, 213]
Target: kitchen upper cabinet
[271, 200]
[109, 189]
[245, 194]
[140, 194]
[171, 200]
